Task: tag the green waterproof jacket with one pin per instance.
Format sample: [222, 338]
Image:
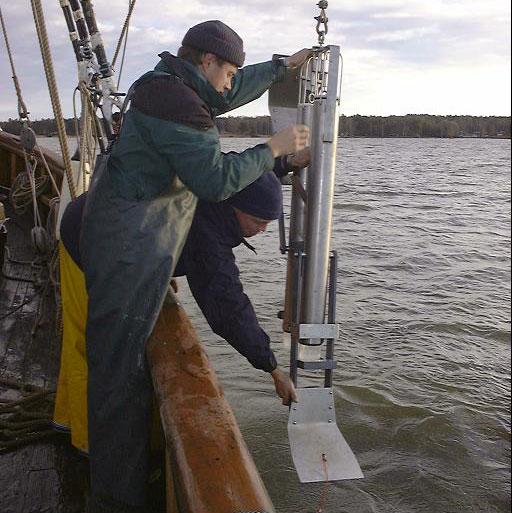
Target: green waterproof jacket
[153, 150]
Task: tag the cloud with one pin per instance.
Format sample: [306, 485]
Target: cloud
[441, 56]
[403, 34]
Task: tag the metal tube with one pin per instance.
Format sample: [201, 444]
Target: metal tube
[320, 194]
[331, 314]
[283, 246]
[297, 227]
[298, 207]
[295, 307]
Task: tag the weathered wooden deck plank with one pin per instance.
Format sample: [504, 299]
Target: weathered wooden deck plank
[48, 476]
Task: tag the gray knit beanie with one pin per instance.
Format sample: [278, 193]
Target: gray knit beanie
[216, 37]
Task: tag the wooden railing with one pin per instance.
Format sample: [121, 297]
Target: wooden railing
[13, 162]
[210, 469]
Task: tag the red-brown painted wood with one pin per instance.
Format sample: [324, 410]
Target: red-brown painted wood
[213, 470]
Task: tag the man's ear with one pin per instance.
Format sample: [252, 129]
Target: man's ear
[207, 59]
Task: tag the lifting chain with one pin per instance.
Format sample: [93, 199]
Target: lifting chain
[322, 19]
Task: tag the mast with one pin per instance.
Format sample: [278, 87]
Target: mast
[98, 95]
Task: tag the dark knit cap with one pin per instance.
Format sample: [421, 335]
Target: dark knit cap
[217, 38]
[262, 199]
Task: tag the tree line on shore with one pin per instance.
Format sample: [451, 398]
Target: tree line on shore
[411, 125]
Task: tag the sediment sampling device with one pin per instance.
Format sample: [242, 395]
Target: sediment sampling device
[311, 96]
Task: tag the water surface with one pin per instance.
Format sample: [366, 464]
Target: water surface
[422, 227]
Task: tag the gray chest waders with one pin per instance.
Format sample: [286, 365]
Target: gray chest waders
[129, 249]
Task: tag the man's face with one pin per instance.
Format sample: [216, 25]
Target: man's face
[250, 225]
[219, 73]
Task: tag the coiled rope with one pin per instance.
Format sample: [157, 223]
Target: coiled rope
[21, 192]
[28, 419]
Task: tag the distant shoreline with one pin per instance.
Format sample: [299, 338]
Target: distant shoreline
[410, 126]
[260, 136]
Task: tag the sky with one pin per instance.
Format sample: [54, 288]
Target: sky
[445, 57]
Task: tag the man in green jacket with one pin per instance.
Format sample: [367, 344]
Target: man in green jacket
[138, 212]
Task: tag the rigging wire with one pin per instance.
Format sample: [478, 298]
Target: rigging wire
[22, 108]
[122, 60]
[124, 29]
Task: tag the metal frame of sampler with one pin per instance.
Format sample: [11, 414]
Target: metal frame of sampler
[313, 98]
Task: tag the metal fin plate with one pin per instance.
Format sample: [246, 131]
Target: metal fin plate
[319, 451]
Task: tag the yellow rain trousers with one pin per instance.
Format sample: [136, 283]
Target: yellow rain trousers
[70, 412]
[71, 401]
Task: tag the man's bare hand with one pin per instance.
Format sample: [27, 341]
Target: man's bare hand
[298, 58]
[290, 140]
[284, 387]
[300, 159]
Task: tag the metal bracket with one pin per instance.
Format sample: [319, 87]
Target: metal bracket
[307, 331]
[319, 451]
[317, 365]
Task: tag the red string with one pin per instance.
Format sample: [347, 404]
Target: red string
[323, 495]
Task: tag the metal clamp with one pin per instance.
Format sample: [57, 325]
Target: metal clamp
[326, 365]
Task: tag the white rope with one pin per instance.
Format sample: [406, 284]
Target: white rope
[88, 135]
[47, 167]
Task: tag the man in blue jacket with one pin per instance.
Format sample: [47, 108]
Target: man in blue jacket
[209, 264]
[138, 212]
